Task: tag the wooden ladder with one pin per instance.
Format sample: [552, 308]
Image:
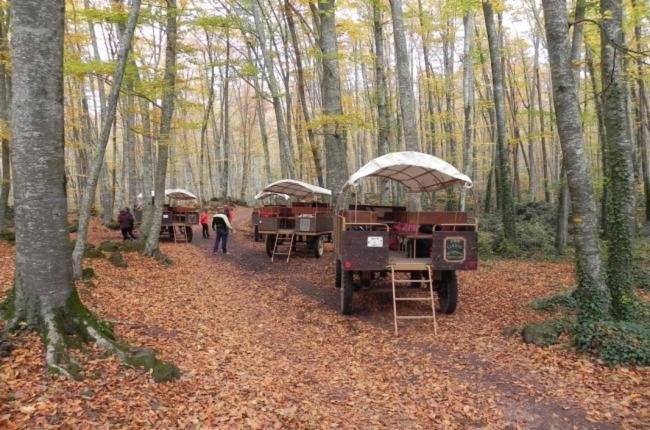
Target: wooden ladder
[429, 298]
[180, 234]
[281, 236]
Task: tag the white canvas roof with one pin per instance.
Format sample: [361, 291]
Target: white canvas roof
[417, 171]
[295, 188]
[175, 193]
[266, 194]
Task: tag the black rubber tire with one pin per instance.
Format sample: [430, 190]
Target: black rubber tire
[270, 242]
[337, 280]
[256, 234]
[346, 292]
[448, 292]
[318, 247]
[190, 233]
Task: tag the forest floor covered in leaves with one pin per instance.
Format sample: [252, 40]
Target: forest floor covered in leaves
[262, 345]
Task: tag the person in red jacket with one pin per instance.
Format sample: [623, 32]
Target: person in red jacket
[204, 219]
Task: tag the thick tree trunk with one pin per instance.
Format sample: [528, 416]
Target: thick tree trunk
[313, 144]
[164, 137]
[642, 118]
[335, 134]
[593, 297]
[225, 164]
[383, 119]
[468, 99]
[5, 150]
[503, 182]
[405, 88]
[621, 202]
[44, 296]
[91, 185]
[287, 165]
[261, 118]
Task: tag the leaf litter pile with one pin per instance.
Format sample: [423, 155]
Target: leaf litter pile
[262, 345]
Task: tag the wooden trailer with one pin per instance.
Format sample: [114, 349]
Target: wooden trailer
[256, 216]
[303, 222]
[376, 241]
[178, 217]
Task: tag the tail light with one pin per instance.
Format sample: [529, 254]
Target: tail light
[347, 265]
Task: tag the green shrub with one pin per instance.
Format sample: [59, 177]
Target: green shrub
[133, 245]
[92, 252]
[87, 273]
[113, 225]
[615, 342]
[546, 332]
[486, 241]
[9, 236]
[109, 246]
[117, 259]
[532, 236]
[554, 303]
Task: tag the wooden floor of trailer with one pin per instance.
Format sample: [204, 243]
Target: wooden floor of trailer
[402, 263]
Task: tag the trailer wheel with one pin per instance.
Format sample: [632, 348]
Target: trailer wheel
[270, 242]
[189, 233]
[318, 247]
[448, 292]
[346, 292]
[337, 281]
[256, 235]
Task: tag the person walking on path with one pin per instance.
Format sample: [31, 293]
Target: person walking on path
[221, 225]
[126, 221]
[228, 212]
[204, 220]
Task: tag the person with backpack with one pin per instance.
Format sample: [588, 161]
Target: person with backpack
[221, 225]
[126, 221]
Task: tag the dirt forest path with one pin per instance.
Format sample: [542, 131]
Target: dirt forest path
[521, 397]
[262, 345]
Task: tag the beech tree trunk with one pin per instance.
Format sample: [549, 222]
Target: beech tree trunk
[287, 164]
[44, 296]
[593, 297]
[5, 150]
[107, 119]
[164, 137]
[468, 99]
[383, 118]
[335, 133]
[503, 175]
[405, 88]
[621, 194]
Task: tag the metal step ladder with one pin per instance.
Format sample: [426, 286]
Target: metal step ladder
[429, 298]
[280, 240]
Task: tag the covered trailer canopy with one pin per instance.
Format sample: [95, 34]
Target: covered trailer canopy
[266, 194]
[175, 193]
[418, 172]
[294, 188]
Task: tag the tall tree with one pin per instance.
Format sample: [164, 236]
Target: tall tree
[335, 138]
[405, 87]
[468, 97]
[287, 164]
[592, 293]
[165, 135]
[504, 185]
[621, 192]
[383, 118]
[44, 297]
[5, 150]
[90, 189]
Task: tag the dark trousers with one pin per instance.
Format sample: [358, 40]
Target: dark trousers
[127, 233]
[222, 236]
[206, 231]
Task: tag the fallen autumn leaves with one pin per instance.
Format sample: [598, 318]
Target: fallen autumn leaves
[262, 345]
